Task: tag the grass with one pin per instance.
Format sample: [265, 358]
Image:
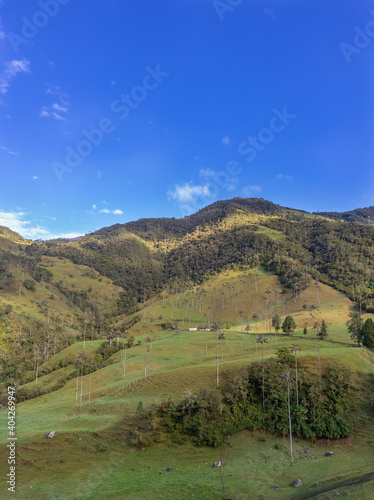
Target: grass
[89, 457]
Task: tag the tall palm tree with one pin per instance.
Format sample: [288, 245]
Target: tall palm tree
[314, 311]
[255, 318]
[261, 340]
[294, 348]
[216, 327]
[287, 378]
[247, 329]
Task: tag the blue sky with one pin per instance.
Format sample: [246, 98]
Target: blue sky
[120, 109]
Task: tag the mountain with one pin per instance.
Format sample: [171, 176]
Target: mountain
[362, 215]
[144, 257]
[94, 330]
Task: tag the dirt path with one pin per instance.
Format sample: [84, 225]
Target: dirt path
[339, 484]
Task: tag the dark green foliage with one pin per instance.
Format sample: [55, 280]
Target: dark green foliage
[285, 356]
[355, 327]
[276, 322]
[29, 285]
[368, 334]
[323, 330]
[209, 416]
[289, 325]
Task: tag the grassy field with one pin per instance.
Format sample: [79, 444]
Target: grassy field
[89, 457]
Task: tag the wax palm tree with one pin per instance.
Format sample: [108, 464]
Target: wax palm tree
[248, 329]
[261, 340]
[295, 348]
[287, 378]
[216, 327]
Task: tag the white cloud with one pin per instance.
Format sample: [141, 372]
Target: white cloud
[7, 150]
[251, 190]
[58, 107]
[16, 221]
[226, 140]
[94, 207]
[64, 235]
[105, 202]
[188, 193]
[11, 69]
[50, 114]
[104, 211]
[35, 177]
[117, 212]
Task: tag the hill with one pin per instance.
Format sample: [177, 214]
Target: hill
[361, 215]
[91, 456]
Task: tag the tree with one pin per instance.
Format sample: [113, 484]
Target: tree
[285, 357]
[368, 334]
[286, 379]
[355, 328]
[248, 329]
[305, 331]
[289, 325]
[276, 322]
[323, 330]
[314, 311]
[216, 327]
[227, 325]
[261, 340]
[294, 348]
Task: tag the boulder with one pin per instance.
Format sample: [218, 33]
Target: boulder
[297, 482]
[329, 454]
[217, 464]
[277, 487]
[51, 435]
[169, 469]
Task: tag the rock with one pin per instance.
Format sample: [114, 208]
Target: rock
[277, 487]
[329, 454]
[217, 464]
[297, 482]
[51, 435]
[169, 469]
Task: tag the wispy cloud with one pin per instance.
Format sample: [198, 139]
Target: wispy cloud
[187, 193]
[56, 110]
[117, 212]
[104, 211]
[44, 113]
[7, 150]
[12, 68]
[17, 221]
[226, 140]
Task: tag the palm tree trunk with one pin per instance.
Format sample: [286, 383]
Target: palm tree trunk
[289, 419]
[297, 384]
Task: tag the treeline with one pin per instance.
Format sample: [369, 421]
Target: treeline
[209, 416]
